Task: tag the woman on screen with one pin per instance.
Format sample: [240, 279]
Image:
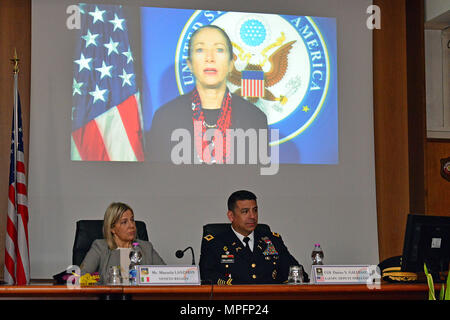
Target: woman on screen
[119, 232]
[209, 106]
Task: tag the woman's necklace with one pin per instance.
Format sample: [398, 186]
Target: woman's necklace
[211, 126]
[211, 114]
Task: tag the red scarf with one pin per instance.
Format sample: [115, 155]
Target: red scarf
[206, 149]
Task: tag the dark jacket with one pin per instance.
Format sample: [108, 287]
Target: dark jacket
[224, 260]
[177, 114]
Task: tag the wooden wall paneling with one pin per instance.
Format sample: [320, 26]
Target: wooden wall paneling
[438, 189]
[400, 119]
[416, 97]
[397, 121]
[391, 126]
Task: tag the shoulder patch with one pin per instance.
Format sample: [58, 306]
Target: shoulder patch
[276, 234]
[209, 237]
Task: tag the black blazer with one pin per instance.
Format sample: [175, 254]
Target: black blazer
[177, 114]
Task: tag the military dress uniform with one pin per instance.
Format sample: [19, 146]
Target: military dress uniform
[225, 260]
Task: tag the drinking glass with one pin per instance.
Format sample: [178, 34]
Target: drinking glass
[114, 276]
[295, 275]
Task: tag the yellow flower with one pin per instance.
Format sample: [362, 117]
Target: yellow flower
[88, 279]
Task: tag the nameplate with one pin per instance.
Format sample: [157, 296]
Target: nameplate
[169, 275]
[340, 274]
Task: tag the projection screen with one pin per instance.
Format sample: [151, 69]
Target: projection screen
[99, 78]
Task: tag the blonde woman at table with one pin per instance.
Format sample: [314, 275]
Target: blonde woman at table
[119, 232]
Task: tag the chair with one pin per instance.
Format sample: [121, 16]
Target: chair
[89, 230]
[217, 228]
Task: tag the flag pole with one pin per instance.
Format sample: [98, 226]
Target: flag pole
[15, 60]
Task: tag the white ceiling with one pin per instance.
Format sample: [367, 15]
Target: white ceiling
[437, 14]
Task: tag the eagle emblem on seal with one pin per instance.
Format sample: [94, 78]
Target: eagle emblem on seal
[278, 62]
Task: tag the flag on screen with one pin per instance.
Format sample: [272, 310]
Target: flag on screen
[17, 256]
[106, 114]
[252, 83]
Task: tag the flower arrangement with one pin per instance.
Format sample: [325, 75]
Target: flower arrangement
[89, 279]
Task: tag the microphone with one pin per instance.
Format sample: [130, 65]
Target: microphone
[179, 254]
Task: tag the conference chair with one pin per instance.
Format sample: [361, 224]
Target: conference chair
[217, 228]
[89, 230]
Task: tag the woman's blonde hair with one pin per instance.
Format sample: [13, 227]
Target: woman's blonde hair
[112, 214]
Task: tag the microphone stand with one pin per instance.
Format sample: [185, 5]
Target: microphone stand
[179, 254]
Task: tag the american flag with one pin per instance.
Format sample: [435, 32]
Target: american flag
[17, 256]
[252, 83]
[106, 114]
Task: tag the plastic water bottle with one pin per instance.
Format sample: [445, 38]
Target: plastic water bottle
[317, 254]
[135, 261]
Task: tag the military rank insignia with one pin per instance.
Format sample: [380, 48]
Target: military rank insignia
[274, 274]
[270, 250]
[208, 237]
[227, 258]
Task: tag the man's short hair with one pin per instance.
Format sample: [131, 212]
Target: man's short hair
[239, 195]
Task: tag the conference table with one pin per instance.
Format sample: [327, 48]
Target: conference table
[386, 291]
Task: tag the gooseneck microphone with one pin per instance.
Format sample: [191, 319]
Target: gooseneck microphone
[179, 254]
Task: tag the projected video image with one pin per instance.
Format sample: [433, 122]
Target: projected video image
[281, 77]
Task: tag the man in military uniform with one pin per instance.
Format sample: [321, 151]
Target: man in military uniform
[243, 255]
